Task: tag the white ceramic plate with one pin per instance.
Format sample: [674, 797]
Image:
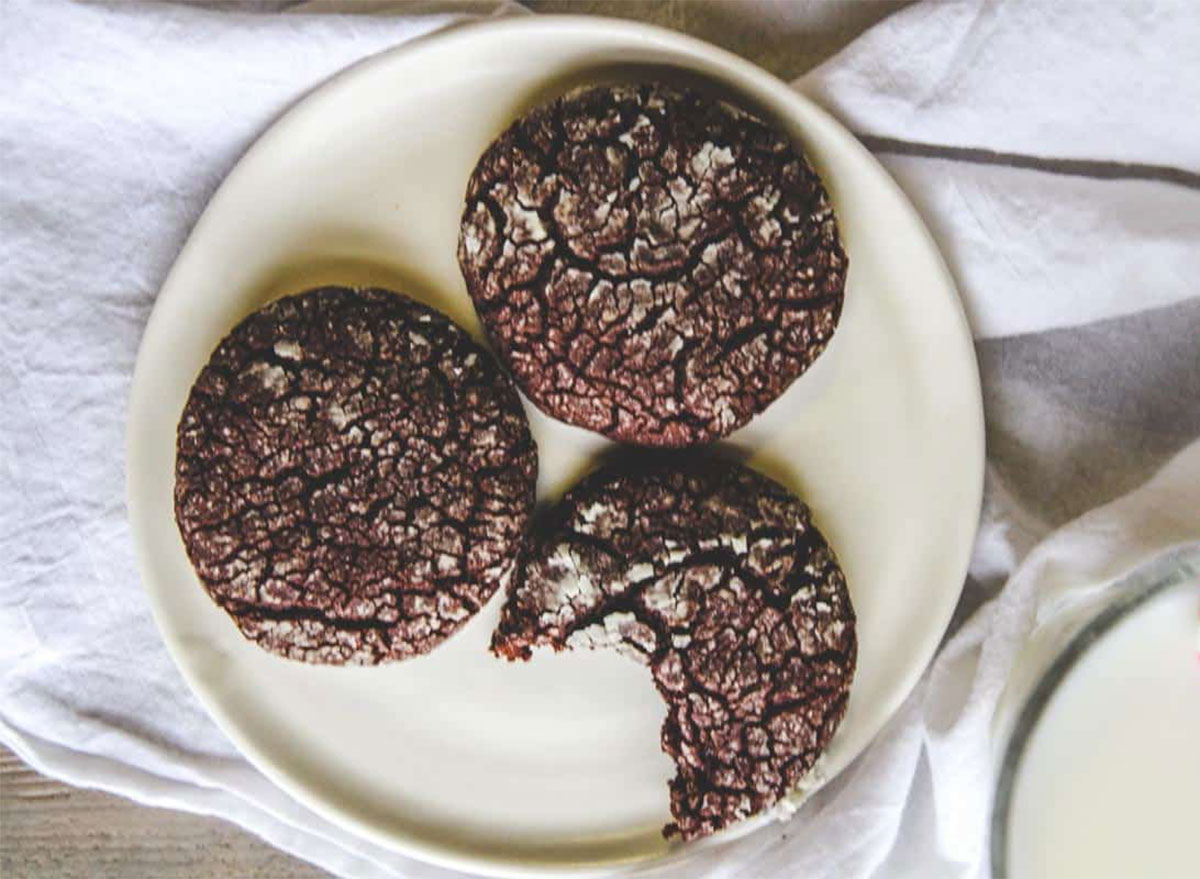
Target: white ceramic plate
[552, 766]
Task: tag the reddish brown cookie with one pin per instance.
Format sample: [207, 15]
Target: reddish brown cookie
[354, 476]
[715, 577]
[651, 263]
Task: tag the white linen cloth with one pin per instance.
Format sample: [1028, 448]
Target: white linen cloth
[1054, 151]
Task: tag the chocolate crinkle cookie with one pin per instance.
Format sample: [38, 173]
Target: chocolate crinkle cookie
[715, 577]
[651, 263]
[354, 476]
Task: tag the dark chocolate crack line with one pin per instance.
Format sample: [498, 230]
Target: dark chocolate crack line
[715, 577]
[650, 263]
[354, 476]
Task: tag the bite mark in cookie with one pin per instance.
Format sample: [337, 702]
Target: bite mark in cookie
[715, 577]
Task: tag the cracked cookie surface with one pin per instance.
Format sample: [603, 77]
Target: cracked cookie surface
[715, 577]
[650, 263]
[354, 476]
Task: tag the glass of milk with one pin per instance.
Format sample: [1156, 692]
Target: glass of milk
[1100, 776]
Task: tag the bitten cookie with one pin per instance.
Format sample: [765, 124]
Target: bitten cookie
[651, 263]
[354, 476]
[715, 577]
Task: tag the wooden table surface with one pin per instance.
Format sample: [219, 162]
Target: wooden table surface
[51, 831]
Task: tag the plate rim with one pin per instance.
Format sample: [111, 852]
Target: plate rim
[410, 844]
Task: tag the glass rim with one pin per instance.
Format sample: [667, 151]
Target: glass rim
[1135, 589]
